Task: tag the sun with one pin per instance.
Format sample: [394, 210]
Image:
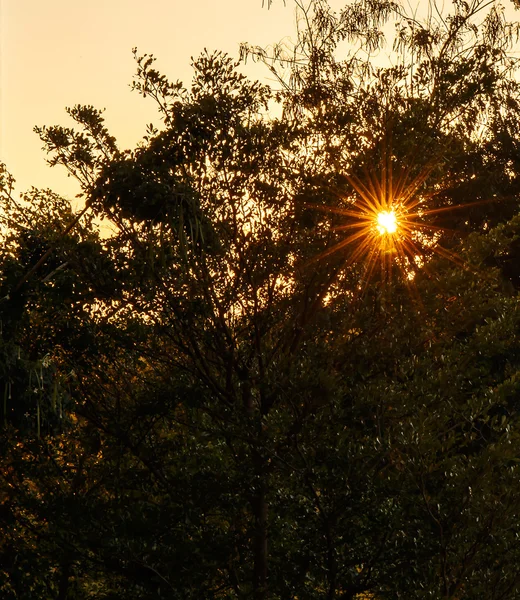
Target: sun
[386, 222]
[380, 221]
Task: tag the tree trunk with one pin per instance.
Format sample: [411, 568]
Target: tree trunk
[260, 533]
[259, 506]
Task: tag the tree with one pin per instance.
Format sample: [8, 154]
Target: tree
[259, 410]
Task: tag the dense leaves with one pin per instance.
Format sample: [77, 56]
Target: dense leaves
[205, 399]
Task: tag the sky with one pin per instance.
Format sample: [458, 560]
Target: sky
[58, 53]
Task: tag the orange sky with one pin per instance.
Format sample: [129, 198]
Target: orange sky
[57, 53]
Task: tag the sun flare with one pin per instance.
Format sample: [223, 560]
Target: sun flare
[386, 222]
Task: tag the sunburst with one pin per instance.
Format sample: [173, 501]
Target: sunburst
[387, 222]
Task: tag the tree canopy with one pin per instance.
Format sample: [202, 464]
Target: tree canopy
[223, 378]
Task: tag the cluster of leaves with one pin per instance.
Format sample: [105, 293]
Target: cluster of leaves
[195, 408]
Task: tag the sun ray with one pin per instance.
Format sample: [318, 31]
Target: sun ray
[387, 227]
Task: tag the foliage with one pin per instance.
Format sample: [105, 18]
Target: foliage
[225, 406]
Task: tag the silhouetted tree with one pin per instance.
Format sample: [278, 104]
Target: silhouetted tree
[260, 403]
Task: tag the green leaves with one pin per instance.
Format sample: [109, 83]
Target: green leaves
[209, 403]
[81, 153]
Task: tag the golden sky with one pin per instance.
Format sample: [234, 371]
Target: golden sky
[58, 53]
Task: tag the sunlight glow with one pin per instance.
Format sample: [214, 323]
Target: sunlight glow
[386, 222]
